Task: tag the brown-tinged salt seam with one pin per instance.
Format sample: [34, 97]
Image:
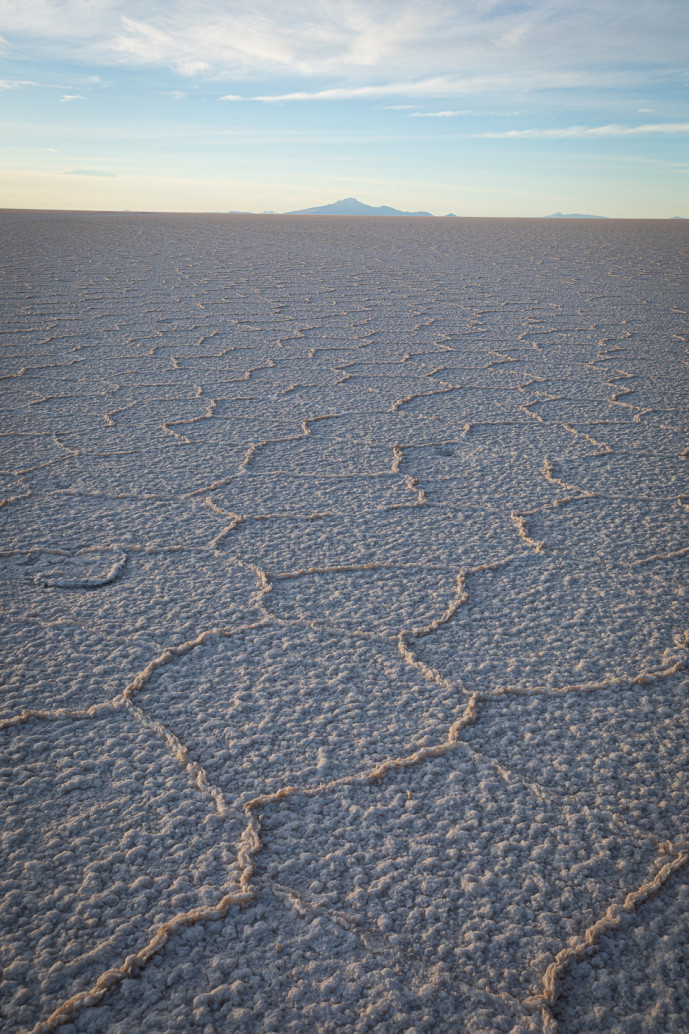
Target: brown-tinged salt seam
[519, 521]
[609, 921]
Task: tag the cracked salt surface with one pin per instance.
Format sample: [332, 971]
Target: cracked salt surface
[345, 604]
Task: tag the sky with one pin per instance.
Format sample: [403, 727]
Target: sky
[481, 108]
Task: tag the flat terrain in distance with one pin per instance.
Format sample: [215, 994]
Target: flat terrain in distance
[346, 625]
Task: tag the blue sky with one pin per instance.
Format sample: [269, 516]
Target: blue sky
[479, 108]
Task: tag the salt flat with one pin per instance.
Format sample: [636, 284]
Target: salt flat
[346, 626]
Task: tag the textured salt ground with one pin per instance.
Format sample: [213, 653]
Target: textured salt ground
[556, 623]
[638, 980]
[617, 750]
[619, 532]
[294, 494]
[490, 906]
[432, 539]
[79, 888]
[290, 963]
[345, 567]
[142, 601]
[64, 665]
[303, 707]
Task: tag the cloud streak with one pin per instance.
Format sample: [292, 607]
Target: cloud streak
[444, 86]
[87, 172]
[579, 132]
[16, 84]
[439, 114]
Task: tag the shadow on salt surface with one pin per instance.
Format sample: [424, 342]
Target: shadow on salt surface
[420, 535]
[637, 982]
[382, 600]
[622, 752]
[455, 869]
[89, 569]
[294, 495]
[63, 664]
[618, 474]
[462, 474]
[144, 602]
[614, 531]
[118, 843]
[31, 450]
[75, 642]
[273, 706]
[72, 519]
[544, 622]
[166, 469]
[321, 457]
[285, 965]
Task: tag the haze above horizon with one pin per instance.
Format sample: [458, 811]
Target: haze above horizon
[482, 108]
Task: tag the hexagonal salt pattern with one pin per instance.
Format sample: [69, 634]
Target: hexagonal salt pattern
[346, 633]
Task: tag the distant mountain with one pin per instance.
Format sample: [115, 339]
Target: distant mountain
[678, 217]
[573, 215]
[350, 206]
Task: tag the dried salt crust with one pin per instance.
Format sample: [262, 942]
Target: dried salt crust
[346, 598]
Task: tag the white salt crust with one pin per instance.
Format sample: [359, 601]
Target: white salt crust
[346, 629]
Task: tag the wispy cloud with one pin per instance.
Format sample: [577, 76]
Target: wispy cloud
[446, 86]
[435, 87]
[588, 131]
[230, 97]
[387, 41]
[439, 114]
[87, 172]
[16, 84]
[66, 97]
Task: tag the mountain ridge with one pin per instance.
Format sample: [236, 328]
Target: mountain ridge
[351, 206]
[573, 215]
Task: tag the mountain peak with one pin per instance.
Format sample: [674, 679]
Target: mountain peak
[351, 206]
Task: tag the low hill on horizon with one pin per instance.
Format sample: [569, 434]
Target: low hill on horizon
[350, 206]
[573, 215]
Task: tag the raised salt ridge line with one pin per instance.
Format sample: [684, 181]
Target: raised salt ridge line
[58, 582]
[612, 918]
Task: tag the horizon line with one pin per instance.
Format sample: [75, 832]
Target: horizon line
[320, 215]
